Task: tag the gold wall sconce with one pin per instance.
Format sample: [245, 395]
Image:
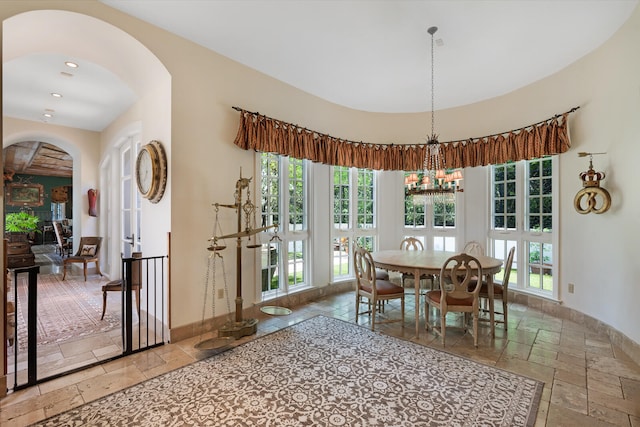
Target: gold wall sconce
[592, 197]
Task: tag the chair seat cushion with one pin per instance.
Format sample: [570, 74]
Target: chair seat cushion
[385, 287]
[114, 285]
[79, 258]
[436, 297]
[382, 275]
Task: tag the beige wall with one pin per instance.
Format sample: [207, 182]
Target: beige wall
[596, 253]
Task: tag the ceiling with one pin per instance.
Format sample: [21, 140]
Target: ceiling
[370, 55]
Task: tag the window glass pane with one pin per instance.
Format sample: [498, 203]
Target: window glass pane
[270, 171]
[297, 197]
[365, 199]
[341, 250]
[270, 274]
[415, 208]
[365, 242]
[501, 250]
[540, 195]
[504, 189]
[540, 266]
[341, 197]
[295, 263]
[444, 214]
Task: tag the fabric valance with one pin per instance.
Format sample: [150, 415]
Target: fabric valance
[265, 134]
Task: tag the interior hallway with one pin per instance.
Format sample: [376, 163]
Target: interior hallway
[588, 381]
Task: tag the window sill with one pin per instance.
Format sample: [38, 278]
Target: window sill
[536, 294]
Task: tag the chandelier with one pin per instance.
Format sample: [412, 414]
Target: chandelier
[437, 184]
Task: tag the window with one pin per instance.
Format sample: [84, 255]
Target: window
[523, 205]
[284, 254]
[58, 211]
[354, 215]
[432, 222]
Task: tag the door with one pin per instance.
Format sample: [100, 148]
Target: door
[130, 198]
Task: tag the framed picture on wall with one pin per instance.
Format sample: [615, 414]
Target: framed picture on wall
[25, 194]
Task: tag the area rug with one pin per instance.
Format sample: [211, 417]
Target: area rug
[321, 372]
[66, 309]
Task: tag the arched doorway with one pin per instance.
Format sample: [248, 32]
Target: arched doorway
[90, 142]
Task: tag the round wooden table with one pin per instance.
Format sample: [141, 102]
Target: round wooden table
[420, 263]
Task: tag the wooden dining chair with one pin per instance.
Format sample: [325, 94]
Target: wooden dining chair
[413, 244]
[64, 245]
[374, 290]
[116, 285]
[456, 294]
[474, 248]
[88, 251]
[500, 290]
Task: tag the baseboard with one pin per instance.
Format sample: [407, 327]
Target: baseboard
[630, 348]
[290, 300]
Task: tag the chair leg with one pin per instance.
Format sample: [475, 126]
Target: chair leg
[504, 312]
[443, 326]
[475, 329]
[357, 306]
[104, 303]
[373, 314]
[85, 271]
[98, 268]
[64, 270]
[426, 314]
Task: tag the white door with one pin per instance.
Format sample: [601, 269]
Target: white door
[130, 198]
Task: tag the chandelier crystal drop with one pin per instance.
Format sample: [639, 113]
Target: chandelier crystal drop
[438, 185]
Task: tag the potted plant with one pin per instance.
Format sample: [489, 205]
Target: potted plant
[21, 224]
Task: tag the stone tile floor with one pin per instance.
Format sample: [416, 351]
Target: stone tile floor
[588, 381]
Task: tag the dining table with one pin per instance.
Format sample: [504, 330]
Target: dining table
[427, 262]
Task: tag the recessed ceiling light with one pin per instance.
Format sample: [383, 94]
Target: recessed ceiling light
[65, 74]
[71, 64]
[49, 110]
[56, 95]
[49, 115]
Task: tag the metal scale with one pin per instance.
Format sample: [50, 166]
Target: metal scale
[238, 327]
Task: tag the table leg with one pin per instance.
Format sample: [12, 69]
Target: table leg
[416, 284]
[491, 304]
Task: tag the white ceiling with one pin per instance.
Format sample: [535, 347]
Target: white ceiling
[363, 54]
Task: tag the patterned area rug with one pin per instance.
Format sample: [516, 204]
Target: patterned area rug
[46, 255]
[66, 309]
[322, 372]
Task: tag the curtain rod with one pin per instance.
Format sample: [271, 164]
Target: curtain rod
[445, 142]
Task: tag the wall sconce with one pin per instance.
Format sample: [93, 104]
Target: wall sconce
[597, 199]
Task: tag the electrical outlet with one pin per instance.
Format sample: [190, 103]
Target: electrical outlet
[220, 293]
[571, 288]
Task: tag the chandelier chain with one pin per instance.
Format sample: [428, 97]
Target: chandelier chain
[433, 109]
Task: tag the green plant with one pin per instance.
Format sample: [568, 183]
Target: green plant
[21, 222]
[534, 256]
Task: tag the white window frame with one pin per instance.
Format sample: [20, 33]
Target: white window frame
[522, 236]
[342, 239]
[283, 237]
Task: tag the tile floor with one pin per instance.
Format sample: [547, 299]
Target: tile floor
[588, 381]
